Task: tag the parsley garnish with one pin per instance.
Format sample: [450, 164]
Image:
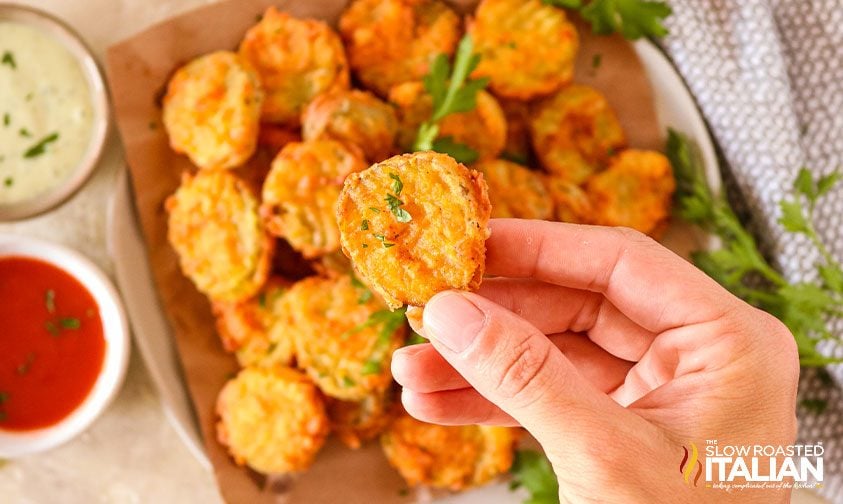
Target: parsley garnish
[452, 92]
[7, 119]
[366, 295]
[394, 205]
[397, 185]
[8, 181]
[374, 209]
[50, 300]
[631, 18]
[381, 238]
[24, 133]
[804, 307]
[348, 382]
[70, 323]
[461, 152]
[52, 328]
[371, 367]
[40, 147]
[364, 226]
[533, 471]
[9, 59]
[390, 321]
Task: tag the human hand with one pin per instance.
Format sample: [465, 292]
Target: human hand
[613, 353]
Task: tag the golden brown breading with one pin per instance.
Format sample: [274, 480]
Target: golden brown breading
[635, 191]
[212, 109]
[515, 191]
[526, 48]
[271, 419]
[575, 132]
[395, 41]
[256, 329]
[301, 190]
[344, 355]
[415, 225]
[570, 202]
[215, 228]
[357, 422]
[451, 457]
[483, 128]
[297, 59]
[355, 117]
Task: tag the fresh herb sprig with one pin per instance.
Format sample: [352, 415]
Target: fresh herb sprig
[532, 471]
[389, 322]
[631, 18]
[804, 307]
[453, 92]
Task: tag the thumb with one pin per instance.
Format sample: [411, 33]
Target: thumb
[516, 367]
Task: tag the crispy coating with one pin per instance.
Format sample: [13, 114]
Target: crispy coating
[635, 191]
[483, 128]
[218, 235]
[357, 422]
[515, 191]
[570, 202]
[256, 330]
[451, 457]
[212, 110]
[355, 117]
[442, 245]
[271, 419]
[347, 359]
[395, 41]
[527, 48]
[575, 132]
[297, 59]
[301, 190]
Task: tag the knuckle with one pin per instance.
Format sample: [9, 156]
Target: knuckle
[632, 235]
[516, 368]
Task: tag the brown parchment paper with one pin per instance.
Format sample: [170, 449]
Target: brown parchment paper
[138, 70]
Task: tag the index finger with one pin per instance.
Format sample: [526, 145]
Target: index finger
[647, 282]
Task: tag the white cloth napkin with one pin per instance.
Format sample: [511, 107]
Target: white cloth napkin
[768, 77]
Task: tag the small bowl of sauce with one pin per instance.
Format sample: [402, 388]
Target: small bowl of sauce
[54, 114]
[65, 342]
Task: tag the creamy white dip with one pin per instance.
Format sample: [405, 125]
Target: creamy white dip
[46, 113]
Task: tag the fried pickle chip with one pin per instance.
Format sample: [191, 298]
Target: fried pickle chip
[344, 341]
[575, 132]
[483, 128]
[395, 41]
[301, 190]
[515, 191]
[635, 191]
[256, 330]
[357, 422]
[570, 202]
[271, 419]
[415, 225]
[527, 48]
[355, 117]
[217, 233]
[517, 115]
[296, 59]
[212, 110]
[451, 457]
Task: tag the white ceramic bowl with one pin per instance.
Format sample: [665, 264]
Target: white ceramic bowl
[115, 332]
[73, 42]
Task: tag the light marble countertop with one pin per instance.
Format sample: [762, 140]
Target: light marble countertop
[131, 454]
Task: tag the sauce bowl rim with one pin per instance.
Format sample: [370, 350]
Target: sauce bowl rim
[15, 443]
[70, 39]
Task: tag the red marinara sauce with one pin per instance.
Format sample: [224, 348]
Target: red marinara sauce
[51, 344]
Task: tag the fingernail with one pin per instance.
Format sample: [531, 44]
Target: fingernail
[452, 320]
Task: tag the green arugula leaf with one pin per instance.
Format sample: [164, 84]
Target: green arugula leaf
[533, 471]
[461, 152]
[631, 18]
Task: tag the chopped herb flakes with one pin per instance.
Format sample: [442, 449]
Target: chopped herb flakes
[24, 133]
[375, 210]
[9, 59]
[348, 382]
[8, 182]
[364, 225]
[39, 148]
[381, 238]
[70, 323]
[394, 205]
[397, 185]
[7, 119]
[50, 300]
[52, 328]
[27, 365]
